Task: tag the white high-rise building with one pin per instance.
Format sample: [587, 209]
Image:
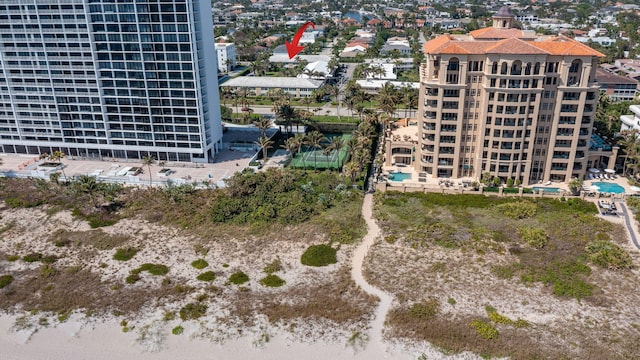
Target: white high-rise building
[226, 56]
[100, 78]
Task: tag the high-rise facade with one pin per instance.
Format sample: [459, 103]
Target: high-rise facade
[107, 78]
[508, 102]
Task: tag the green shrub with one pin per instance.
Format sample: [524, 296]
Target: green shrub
[274, 266]
[608, 255]
[238, 278]
[178, 330]
[207, 276]
[45, 259]
[425, 310]
[12, 258]
[484, 329]
[200, 264]
[33, 257]
[153, 269]
[5, 280]
[132, 278]
[193, 311]
[518, 210]
[319, 255]
[272, 280]
[124, 254]
[535, 237]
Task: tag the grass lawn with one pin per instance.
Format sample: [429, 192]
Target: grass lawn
[335, 119]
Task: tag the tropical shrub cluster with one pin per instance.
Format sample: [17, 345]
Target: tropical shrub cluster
[536, 238]
[518, 210]
[608, 255]
[283, 196]
[319, 255]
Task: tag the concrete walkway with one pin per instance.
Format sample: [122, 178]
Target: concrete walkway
[376, 342]
[629, 223]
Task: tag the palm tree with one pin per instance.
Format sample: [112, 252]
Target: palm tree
[246, 114]
[314, 140]
[88, 185]
[410, 99]
[148, 161]
[335, 92]
[335, 144]
[263, 124]
[292, 145]
[631, 143]
[288, 113]
[351, 170]
[57, 156]
[265, 144]
[300, 139]
[387, 99]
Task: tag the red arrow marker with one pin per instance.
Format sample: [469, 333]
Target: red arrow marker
[292, 47]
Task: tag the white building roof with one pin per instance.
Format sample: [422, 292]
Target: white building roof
[273, 82]
[377, 84]
[284, 58]
[321, 67]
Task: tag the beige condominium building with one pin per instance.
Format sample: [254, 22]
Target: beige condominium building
[508, 102]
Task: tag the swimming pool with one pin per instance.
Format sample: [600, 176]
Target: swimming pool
[606, 187]
[398, 176]
[546, 189]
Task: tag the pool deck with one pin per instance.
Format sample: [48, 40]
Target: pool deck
[428, 181]
[227, 162]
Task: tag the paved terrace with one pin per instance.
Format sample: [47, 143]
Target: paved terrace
[227, 162]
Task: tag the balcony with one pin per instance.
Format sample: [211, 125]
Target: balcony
[429, 137]
[579, 154]
[428, 148]
[427, 159]
[429, 126]
[431, 104]
[565, 133]
[431, 92]
[430, 115]
[445, 162]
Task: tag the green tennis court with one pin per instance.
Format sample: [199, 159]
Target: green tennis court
[315, 158]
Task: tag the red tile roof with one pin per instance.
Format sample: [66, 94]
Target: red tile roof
[559, 45]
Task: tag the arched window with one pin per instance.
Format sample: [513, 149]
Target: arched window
[503, 69]
[527, 69]
[453, 71]
[536, 69]
[454, 64]
[494, 68]
[516, 68]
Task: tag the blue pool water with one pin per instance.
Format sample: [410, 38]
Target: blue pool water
[606, 187]
[399, 176]
[546, 189]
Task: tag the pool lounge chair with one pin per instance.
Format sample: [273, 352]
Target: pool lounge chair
[590, 176]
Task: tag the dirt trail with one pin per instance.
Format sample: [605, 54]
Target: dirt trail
[373, 232]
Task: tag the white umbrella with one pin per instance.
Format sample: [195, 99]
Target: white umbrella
[610, 171]
[634, 188]
[594, 188]
[594, 170]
